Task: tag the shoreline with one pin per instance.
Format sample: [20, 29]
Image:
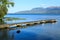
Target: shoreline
[27, 23]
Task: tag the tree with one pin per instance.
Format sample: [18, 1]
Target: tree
[4, 5]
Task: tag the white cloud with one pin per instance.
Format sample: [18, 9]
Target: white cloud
[43, 5]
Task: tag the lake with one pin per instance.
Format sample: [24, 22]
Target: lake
[47, 31]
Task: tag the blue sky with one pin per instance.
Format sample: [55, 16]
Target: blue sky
[21, 5]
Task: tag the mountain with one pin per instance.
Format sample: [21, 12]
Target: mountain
[49, 10]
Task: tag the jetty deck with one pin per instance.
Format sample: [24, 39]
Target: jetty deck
[27, 23]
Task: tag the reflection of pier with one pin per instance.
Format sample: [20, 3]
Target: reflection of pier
[27, 23]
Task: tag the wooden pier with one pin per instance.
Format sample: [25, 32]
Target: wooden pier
[28, 23]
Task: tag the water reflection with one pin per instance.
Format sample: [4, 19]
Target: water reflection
[37, 32]
[18, 31]
[4, 35]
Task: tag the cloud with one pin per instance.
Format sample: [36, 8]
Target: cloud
[43, 5]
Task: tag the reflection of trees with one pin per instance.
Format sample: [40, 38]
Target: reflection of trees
[4, 35]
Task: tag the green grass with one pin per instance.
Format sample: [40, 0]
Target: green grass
[11, 19]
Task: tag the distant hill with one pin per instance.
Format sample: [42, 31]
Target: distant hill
[49, 10]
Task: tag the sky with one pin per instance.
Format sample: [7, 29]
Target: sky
[21, 5]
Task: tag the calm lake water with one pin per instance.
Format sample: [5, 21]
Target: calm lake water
[38, 32]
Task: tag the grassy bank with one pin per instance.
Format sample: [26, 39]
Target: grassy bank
[11, 19]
